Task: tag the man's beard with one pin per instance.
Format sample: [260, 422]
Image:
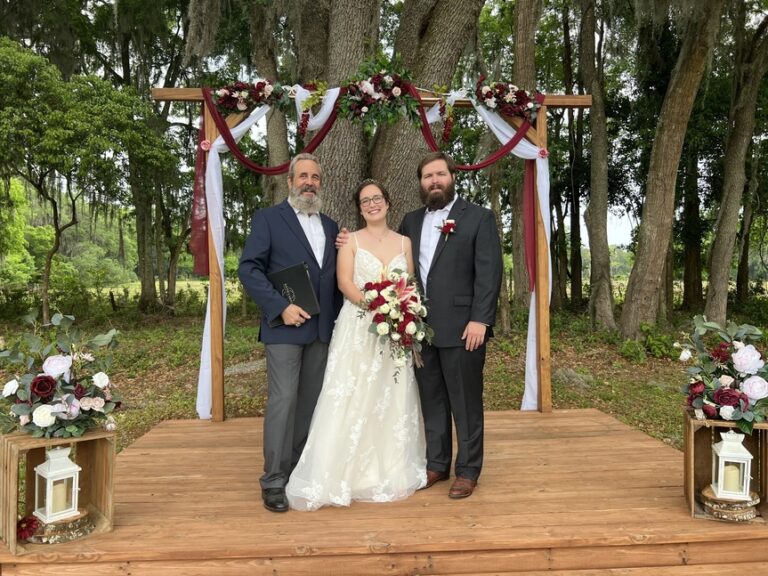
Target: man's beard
[307, 204]
[435, 199]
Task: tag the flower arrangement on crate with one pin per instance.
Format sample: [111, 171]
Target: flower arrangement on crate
[507, 99]
[398, 315]
[379, 94]
[64, 389]
[727, 378]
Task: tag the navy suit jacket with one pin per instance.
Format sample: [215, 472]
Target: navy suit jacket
[277, 241]
[464, 279]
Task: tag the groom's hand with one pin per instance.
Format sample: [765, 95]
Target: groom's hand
[474, 335]
[342, 238]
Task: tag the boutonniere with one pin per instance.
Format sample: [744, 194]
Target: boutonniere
[448, 228]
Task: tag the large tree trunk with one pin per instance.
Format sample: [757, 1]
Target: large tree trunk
[573, 153]
[495, 179]
[596, 213]
[559, 249]
[693, 293]
[641, 303]
[742, 275]
[430, 39]
[527, 14]
[751, 66]
[343, 154]
[142, 202]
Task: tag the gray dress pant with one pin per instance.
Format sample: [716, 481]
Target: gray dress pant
[294, 379]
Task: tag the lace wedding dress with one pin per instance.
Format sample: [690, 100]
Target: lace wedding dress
[366, 441]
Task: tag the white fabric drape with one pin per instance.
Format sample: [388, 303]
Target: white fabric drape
[316, 121]
[504, 132]
[214, 196]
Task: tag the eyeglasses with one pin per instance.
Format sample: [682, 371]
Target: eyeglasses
[378, 199]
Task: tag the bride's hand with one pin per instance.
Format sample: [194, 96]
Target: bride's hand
[342, 238]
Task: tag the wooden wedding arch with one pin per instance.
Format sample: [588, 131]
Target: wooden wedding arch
[537, 137]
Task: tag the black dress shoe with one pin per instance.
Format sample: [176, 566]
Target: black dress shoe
[274, 499]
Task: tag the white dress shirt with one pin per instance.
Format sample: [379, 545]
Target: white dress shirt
[313, 230]
[430, 236]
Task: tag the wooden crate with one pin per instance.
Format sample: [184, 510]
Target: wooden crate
[94, 452]
[698, 437]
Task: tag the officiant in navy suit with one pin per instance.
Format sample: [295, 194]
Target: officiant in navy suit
[281, 236]
[457, 253]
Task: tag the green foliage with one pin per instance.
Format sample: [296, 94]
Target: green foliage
[634, 351]
[657, 344]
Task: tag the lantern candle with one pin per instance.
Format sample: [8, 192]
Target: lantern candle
[732, 480]
[60, 496]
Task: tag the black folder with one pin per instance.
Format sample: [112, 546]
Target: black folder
[294, 285]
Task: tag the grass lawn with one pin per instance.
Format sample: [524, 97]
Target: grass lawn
[156, 363]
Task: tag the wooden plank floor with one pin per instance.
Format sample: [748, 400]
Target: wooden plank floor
[572, 493]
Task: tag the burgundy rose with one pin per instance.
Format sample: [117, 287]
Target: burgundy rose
[727, 397]
[79, 391]
[721, 353]
[696, 388]
[709, 410]
[379, 318]
[26, 527]
[44, 386]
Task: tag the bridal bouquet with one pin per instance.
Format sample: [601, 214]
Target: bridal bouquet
[398, 315]
[64, 389]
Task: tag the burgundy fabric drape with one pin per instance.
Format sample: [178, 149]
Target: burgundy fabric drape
[223, 129]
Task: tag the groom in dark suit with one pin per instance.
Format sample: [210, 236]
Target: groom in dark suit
[457, 250]
[289, 233]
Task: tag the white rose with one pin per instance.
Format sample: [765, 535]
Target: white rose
[685, 355]
[111, 424]
[738, 344]
[43, 416]
[388, 79]
[10, 387]
[394, 314]
[244, 94]
[395, 337]
[100, 380]
[396, 91]
[222, 92]
[366, 87]
[485, 89]
[755, 387]
[384, 309]
[58, 365]
[98, 404]
[268, 89]
[371, 295]
[423, 311]
[410, 328]
[382, 328]
[726, 412]
[529, 105]
[747, 360]
[490, 103]
[364, 109]
[241, 105]
[509, 97]
[420, 335]
[725, 380]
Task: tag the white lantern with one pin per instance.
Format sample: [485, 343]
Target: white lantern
[56, 486]
[731, 465]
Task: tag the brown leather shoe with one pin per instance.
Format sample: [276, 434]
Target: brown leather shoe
[462, 487]
[434, 477]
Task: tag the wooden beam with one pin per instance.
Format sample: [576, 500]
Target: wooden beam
[551, 100]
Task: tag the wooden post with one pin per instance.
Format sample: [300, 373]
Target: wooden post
[542, 285]
[215, 297]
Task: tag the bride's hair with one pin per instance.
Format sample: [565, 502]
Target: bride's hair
[369, 182]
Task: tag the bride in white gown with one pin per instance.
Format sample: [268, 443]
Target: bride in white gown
[366, 441]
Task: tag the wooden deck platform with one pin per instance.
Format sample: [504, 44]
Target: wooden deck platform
[569, 493]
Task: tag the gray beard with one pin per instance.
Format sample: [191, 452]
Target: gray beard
[307, 205]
